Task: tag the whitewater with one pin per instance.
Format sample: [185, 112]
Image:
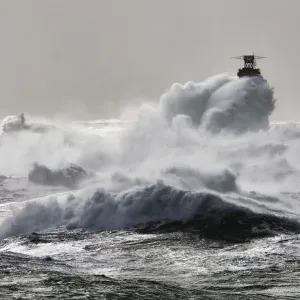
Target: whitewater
[194, 196]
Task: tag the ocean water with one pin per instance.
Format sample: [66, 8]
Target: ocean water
[194, 197]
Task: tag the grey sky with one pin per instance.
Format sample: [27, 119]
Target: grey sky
[91, 57]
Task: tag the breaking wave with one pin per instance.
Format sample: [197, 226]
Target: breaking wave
[154, 208]
[204, 158]
[222, 102]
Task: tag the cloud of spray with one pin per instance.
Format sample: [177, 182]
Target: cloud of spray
[222, 102]
[171, 147]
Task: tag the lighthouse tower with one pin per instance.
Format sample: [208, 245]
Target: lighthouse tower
[249, 68]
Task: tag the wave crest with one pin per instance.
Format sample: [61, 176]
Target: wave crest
[157, 207]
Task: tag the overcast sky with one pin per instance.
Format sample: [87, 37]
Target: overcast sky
[91, 57]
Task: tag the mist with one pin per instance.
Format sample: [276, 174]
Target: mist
[90, 59]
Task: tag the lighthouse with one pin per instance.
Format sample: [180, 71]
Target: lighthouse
[249, 68]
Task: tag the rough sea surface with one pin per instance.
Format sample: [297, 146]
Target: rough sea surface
[195, 197]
